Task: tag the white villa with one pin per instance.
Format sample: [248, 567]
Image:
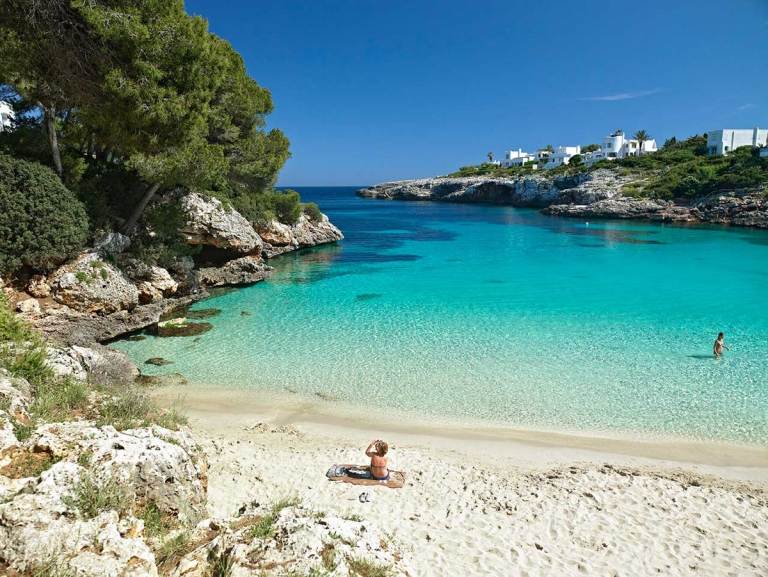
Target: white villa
[562, 155]
[517, 158]
[721, 142]
[7, 116]
[617, 145]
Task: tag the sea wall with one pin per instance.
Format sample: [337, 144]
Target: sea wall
[596, 194]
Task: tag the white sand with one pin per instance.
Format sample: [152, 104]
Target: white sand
[491, 501]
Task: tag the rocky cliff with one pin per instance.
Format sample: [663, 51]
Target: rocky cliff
[596, 194]
[106, 292]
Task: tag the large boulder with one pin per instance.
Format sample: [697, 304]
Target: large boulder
[280, 238]
[28, 307]
[152, 464]
[65, 362]
[153, 282]
[96, 363]
[241, 271]
[38, 286]
[39, 532]
[112, 243]
[210, 223]
[91, 285]
[105, 366]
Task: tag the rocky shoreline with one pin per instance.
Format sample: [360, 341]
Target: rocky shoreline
[105, 292]
[597, 194]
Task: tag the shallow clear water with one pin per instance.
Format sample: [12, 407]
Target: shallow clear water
[506, 315]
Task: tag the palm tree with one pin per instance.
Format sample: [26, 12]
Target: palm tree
[641, 136]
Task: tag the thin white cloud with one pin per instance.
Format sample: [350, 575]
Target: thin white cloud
[746, 106]
[622, 96]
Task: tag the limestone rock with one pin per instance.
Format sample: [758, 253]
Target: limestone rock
[280, 238]
[209, 222]
[38, 286]
[15, 397]
[67, 326]
[7, 440]
[65, 362]
[245, 270]
[595, 194]
[299, 544]
[38, 530]
[28, 307]
[152, 464]
[112, 243]
[153, 282]
[105, 366]
[91, 285]
[625, 208]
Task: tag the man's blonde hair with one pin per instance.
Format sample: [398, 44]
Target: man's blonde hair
[381, 447]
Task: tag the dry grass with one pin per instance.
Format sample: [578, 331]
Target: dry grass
[359, 567]
[26, 463]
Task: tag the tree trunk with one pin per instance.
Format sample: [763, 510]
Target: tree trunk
[130, 224]
[53, 140]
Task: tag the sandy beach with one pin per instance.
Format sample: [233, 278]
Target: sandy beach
[495, 501]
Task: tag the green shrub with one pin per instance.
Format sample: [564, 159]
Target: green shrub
[312, 211]
[90, 497]
[262, 207]
[42, 223]
[287, 206]
[22, 350]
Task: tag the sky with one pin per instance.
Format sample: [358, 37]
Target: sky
[369, 91]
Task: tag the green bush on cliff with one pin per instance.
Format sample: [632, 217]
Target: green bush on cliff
[312, 211]
[42, 223]
[284, 206]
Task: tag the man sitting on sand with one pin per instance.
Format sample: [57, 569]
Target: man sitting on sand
[719, 345]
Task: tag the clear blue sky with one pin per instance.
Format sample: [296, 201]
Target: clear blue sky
[378, 90]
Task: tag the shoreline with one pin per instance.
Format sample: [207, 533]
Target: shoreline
[220, 410]
[481, 501]
[590, 194]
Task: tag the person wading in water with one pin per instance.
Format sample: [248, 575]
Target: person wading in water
[719, 345]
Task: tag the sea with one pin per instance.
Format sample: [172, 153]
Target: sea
[504, 315]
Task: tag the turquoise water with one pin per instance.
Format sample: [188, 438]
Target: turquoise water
[505, 315]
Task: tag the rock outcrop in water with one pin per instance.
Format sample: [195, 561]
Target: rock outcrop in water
[280, 238]
[596, 194]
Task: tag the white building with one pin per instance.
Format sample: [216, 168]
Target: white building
[617, 145]
[543, 154]
[562, 155]
[721, 142]
[517, 158]
[7, 116]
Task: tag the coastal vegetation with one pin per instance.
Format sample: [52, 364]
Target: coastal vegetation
[681, 169]
[117, 105]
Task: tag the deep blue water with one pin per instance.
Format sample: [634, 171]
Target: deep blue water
[507, 315]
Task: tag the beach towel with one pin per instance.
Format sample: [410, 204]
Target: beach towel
[340, 474]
